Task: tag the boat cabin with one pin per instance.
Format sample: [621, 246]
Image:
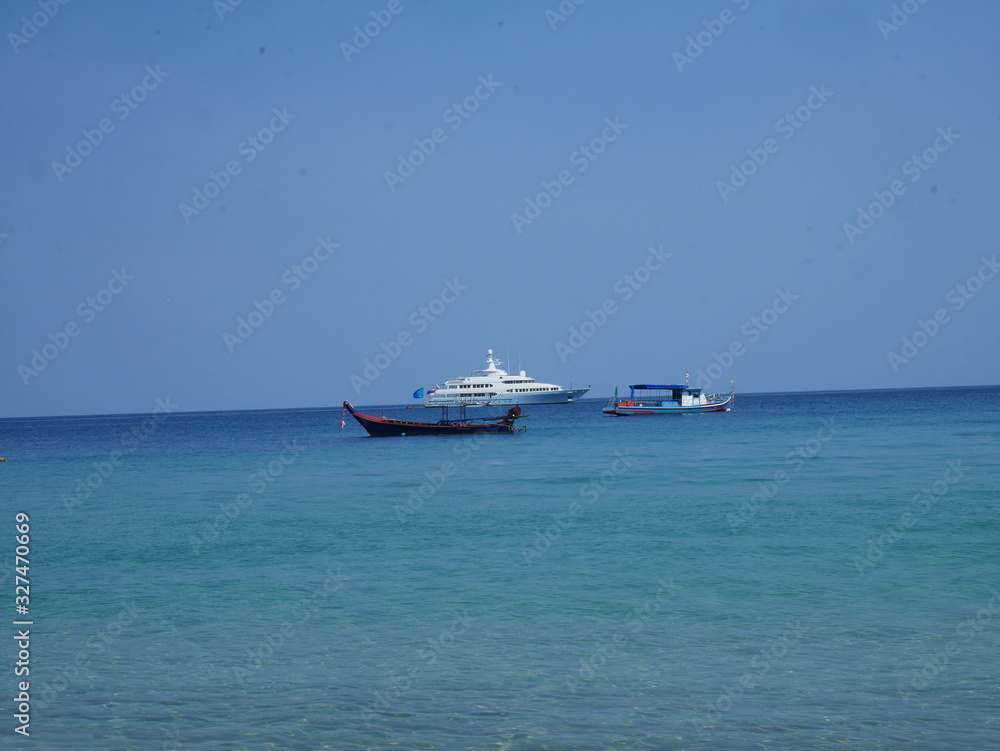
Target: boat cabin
[666, 395]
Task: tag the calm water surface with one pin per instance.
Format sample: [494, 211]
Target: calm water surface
[807, 571]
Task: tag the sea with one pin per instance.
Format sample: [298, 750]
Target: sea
[807, 571]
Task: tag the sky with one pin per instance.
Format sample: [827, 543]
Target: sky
[245, 205]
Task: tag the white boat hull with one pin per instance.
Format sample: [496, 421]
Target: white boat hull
[625, 408]
[563, 396]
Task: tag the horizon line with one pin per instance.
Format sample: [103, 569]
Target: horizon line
[398, 405]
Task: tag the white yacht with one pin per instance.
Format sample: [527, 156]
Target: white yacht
[495, 386]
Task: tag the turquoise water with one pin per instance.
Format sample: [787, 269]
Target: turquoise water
[774, 577]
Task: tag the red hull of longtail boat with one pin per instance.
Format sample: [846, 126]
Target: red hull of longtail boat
[387, 426]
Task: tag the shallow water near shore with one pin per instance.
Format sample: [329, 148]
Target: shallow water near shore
[807, 571]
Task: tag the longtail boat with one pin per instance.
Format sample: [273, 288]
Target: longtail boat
[386, 426]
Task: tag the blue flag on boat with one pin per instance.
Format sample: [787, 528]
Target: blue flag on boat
[419, 393]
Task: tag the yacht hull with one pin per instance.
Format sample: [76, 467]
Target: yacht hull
[565, 396]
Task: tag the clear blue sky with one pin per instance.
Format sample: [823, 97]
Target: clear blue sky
[125, 295]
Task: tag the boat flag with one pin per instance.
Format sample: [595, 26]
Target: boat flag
[686, 377]
[616, 392]
[419, 393]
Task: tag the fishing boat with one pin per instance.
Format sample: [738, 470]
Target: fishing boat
[495, 386]
[386, 426]
[667, 399]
